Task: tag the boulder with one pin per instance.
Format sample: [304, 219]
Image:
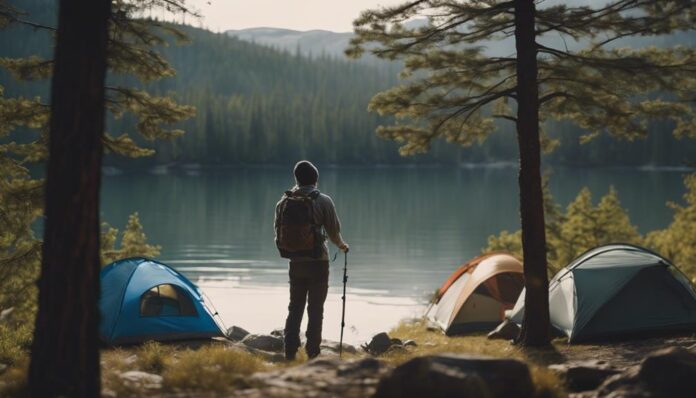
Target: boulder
[138, 379]
[457, 375]
[584, 375]
[320, 377]
[379, 344]
[670, 372]
[333, 346]
[278, 332]
[263, 342]
[235, 333]
[507, 330]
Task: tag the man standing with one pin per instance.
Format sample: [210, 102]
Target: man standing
[303, 218]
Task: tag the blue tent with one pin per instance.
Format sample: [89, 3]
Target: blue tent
[144, 300]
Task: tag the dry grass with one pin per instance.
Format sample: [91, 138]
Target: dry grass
[210, 369]
[154, 357]
[547, 384]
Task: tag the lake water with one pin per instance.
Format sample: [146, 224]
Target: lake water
[408, 228]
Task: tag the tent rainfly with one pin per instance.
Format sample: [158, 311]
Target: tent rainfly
[475, 296]
[144, 300]
[618, 290]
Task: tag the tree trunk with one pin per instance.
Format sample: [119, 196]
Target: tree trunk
[65, 350]
[535, 325]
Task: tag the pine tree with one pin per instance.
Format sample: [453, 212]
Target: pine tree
[24, 126]
[678, 241]
[582, 226]
[455, 90]
[133, 242]
[69, 365]
[65, 348]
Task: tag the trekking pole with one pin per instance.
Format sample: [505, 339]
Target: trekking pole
[343, 313]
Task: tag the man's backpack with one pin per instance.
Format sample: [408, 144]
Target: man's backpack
[297, 234]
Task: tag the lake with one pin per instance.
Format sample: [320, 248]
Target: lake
[408, 228]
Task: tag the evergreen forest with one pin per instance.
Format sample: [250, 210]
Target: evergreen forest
[257, 105]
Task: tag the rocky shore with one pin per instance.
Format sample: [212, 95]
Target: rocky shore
[394, 367]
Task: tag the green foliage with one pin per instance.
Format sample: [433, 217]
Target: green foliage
[677, 242]
[258, 105]
[15, 342]
[23, 136]
[133, 242]
[454, 89]
[582, 226]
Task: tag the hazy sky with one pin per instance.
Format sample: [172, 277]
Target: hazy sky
[335, 15]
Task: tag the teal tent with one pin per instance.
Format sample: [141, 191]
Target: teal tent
[144, 300]
[617, 290]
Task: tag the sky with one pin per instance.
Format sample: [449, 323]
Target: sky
[334, 15]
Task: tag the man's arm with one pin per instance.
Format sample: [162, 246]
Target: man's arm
[276, 220]
[332, 224]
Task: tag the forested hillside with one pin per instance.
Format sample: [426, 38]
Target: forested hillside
[258, 105]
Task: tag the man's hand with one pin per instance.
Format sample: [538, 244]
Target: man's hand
[344, 247]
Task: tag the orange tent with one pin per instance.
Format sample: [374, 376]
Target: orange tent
[476, 295]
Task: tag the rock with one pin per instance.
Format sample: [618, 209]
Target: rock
[410, 343]
[130, 360]
[263, 342]
[451, 375]
[265, 355]
[235, 333]
[3, 368]
[367, 365]
[670, 372]
[379, 344]
[320, 377]
[507, 330]
[5, 314]
[396, 349]
[396, 341]
[278, 332]
[334, 345]
[136, 378]
[584, 375]
[435, 381]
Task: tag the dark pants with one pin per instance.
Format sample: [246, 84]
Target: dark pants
[309, 283]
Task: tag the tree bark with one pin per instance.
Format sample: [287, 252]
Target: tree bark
[535, 325]
[65, 349]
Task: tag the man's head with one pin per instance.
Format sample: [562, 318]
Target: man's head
[306, 173]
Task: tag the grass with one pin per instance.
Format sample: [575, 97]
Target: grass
[219, 369]
[547, 384]
[212, 368]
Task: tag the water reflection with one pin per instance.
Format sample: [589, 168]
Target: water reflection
[408, 228]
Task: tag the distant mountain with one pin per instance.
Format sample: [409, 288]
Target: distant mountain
[311, 42]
